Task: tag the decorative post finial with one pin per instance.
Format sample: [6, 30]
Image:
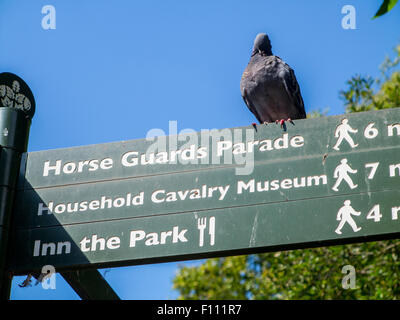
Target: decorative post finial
[15, 93]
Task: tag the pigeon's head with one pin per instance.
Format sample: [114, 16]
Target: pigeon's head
[262, 45]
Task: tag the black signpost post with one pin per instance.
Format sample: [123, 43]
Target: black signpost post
[17, 107]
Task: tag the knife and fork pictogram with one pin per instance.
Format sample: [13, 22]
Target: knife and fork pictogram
[202, 225]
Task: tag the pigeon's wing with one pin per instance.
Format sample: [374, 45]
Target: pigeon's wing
[246, 98]
[252, 108]
[293, 90]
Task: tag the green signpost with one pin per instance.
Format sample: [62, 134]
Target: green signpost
[325, 181]
[213, 193]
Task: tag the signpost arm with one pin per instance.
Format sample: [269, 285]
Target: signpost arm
[17, 108]
[90, 285]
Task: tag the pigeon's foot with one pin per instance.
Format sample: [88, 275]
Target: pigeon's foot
[282, 122]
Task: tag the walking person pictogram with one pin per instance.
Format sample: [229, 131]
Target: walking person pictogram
[342, 173]
[342, 132]
[344, 215]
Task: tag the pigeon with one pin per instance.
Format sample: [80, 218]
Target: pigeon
[269, 87]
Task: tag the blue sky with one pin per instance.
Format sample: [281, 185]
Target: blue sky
[113, 70]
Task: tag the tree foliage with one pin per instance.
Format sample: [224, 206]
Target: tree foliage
[297, 274]
[310, 273]
[385, 7]
[366, 93]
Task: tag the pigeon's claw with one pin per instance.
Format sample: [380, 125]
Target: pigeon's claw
[282, 121]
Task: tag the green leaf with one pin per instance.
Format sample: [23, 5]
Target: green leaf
[385, 7]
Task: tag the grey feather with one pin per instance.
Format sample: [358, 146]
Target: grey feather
[269, 86]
